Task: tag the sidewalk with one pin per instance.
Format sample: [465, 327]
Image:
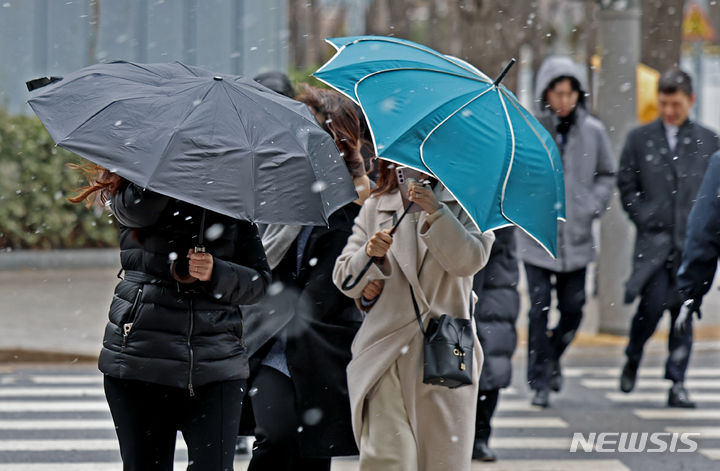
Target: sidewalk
[57, 310]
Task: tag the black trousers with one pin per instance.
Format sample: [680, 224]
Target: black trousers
[147, 417]
[486, 404]
[657, 296]
[545, 345]
[277, 445]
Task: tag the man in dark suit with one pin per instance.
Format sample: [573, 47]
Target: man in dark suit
[661, 168]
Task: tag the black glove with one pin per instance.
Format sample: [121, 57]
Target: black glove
[683, 323]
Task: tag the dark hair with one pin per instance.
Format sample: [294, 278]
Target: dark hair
[100, 180]
[674, 80]
[574, 84]
[337, 115]
[277, 82]
[386, 179]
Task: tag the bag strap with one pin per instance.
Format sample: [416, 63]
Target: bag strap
[417, 311]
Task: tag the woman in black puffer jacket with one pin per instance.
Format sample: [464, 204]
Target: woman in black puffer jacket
[495, 315]
[173, 354]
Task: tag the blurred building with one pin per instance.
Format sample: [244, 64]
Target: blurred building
[54, 37]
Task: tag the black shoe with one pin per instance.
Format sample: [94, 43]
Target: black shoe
[556, 377]
[678, 397]
[241, 446]
[541, 398]
[482, 452]
[628, 376]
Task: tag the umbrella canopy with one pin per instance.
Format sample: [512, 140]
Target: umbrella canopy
[442, 116]
[221, 142]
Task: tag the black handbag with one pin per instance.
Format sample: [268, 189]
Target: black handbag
[447, 348]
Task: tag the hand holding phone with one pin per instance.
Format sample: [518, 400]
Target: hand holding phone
[404, 176]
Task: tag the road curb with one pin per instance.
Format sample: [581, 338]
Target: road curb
[54, 259]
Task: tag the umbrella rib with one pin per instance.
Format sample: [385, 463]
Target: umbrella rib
[507, 175]
[187, 68]
[512, 155]
[403, 43]
[172, 137]
[139, 66]
[242, 124]
[274, 118]
[117, 100]
[422, 148]
[372, 133]
[547, 151]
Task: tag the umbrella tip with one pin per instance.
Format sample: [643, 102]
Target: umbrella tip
[41, 82]
[504, 72]
[217, 77]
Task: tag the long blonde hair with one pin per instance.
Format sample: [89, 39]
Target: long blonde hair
[100, 181]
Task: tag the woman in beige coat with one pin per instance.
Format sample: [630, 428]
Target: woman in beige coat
[399, 422]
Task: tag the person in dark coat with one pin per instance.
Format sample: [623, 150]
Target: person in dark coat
[277, 82]
[702, 248]
[589, 174]
[300, 334]
[661, 168]
[495, 315]
[173, 354]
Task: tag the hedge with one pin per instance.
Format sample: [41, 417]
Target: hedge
[34, 185]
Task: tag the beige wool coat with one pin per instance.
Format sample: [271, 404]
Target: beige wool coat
[446, 256]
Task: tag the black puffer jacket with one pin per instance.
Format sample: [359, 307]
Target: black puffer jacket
[497, 310]
[180, 335]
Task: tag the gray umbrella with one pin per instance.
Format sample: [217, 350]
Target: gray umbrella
[221, 142]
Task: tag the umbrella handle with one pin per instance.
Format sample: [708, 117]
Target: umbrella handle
[185, 280]
[347, 284]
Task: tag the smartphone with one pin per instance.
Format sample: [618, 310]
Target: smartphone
[404, 176]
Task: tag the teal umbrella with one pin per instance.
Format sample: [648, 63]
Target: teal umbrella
[444, 117]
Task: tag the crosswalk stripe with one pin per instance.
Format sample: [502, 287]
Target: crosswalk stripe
[678, 414]
[576, 372]
[63, 445]
[58, 392]
[658, 397]
[66, 379]
[713, 454]
[59, 424]
[48, 406]
[106, 466]
[515, 405]
[705, 432]
[545, 465]
[337, 465]
[532, 443]
[647, 383]
[528, 422]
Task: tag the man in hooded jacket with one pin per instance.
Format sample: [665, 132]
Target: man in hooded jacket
[589, 169]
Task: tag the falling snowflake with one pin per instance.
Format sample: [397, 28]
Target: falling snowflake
[312, 416]
[214, 232]
[318, 186]
[275, 288]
